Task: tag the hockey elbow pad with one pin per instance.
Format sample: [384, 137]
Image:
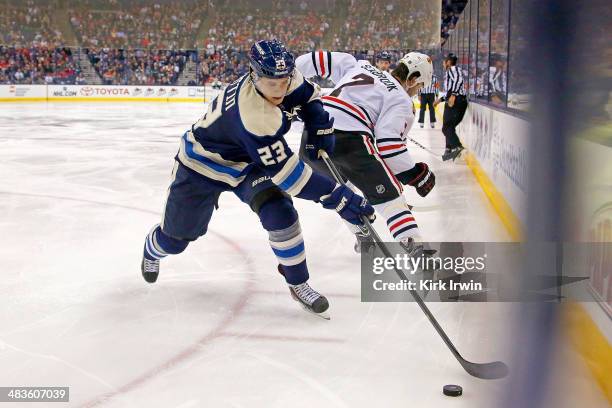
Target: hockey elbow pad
[419, 177]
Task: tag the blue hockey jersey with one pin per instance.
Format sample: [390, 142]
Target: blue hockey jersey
[242, 130]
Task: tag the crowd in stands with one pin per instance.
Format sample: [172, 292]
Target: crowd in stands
[392, 24]
[354, 34]
[133, 25]
[28, 23]
[222, 65]
[451, 10]
[236, 25]
[138, 67]
[235, 29]
[123, 38]
[38, 65]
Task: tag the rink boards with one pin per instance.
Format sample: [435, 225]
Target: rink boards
[498, 144]
[105, 93]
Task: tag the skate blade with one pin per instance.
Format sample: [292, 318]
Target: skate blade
[460, 157]
[325, 315]
[322, 315]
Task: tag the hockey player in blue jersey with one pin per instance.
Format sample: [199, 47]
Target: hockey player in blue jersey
[239, 146]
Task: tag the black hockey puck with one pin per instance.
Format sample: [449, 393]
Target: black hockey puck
[452, 390]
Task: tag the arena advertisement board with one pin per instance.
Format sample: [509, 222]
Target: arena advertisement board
[600, 259]
[127, 93]
[23, 92]
[499, 142]
[103, 93]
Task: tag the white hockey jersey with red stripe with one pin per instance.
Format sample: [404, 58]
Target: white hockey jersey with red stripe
[367, 100]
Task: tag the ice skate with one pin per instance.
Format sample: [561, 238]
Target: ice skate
[418, 249]
[149, 269]
[415, 248]
[456, 152]
[363, 243]
[412, 247]
[310, 300]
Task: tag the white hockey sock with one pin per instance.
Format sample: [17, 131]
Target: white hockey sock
[400, 220]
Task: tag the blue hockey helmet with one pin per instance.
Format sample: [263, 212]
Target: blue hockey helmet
[384, 56]
[270, 59]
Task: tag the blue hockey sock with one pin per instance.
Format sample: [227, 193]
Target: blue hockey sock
[280, 219]
[159, 245]
[288, 246]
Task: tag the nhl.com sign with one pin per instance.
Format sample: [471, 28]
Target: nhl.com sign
[64, 91]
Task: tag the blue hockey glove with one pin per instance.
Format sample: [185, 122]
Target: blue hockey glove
[320, 137]
[349, 205]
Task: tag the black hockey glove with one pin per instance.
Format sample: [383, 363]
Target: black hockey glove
[320, 137]
[419, 177]
[349, 205]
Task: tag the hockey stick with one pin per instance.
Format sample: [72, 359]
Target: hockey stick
[434, 154]
[487, 371]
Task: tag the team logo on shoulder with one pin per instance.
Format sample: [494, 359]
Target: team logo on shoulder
[380, 189]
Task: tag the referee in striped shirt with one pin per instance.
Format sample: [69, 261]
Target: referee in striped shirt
[456, 105]
[427, 96]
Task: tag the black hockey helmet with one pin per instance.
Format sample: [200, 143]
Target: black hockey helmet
[451, 57]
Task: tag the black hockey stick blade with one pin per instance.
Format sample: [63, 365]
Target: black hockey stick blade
[486, 371]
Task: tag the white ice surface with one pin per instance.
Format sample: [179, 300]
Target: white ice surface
[81, 185]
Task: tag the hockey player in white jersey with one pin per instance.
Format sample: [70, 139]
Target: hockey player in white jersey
[372, 113]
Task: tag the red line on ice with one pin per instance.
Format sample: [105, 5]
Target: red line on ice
[192, 350]
[281, 337]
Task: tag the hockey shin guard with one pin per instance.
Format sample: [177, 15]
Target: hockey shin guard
[280, 219]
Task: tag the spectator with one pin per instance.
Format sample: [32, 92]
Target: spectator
[36, 65]
[134, 25]
[28, 24]
[138, 67]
